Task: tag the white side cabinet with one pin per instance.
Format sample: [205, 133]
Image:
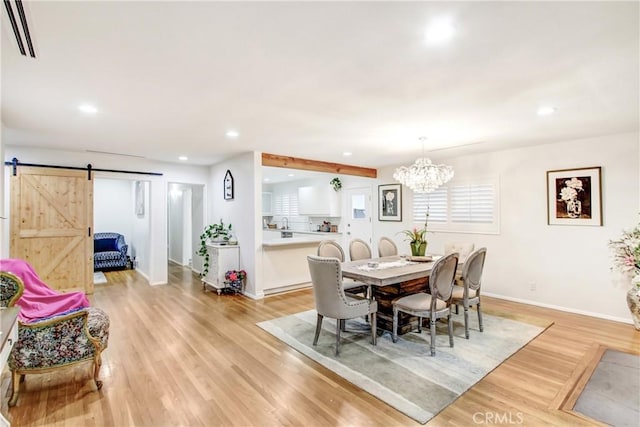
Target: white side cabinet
[222, 258]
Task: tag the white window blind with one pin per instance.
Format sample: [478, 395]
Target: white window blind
[472, 203]
[286, 204]
[471, 206]
[435, 202]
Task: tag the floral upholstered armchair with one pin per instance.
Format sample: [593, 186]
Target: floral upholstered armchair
[54, 342]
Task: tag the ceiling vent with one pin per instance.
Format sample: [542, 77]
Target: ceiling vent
[20, 29]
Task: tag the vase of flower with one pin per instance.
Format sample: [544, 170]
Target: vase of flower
[418, 248]
[626, 259]
[633, 302]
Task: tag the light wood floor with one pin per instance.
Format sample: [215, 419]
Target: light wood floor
[180, 357]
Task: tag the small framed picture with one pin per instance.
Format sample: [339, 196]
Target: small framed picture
[574, 197]
[390, 202]
[228, 186]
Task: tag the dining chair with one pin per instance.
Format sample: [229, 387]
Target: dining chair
[464, 249]
[387, 247]
[436, 304]
[332, 249]
[469, 294]
[359, 249]
[331, 300]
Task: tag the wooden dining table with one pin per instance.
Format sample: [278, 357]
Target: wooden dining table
[394, 277]
[383, 275]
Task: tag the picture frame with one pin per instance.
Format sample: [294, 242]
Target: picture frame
[228, 186]
[139, 206]
[390, 202]
[574, 196]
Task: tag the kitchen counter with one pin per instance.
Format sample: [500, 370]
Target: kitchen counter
[299, 238]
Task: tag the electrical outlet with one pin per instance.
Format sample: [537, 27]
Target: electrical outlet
[532, 286]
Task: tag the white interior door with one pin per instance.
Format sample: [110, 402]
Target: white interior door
[357, 224]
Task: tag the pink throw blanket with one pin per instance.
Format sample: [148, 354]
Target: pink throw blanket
[39, 300]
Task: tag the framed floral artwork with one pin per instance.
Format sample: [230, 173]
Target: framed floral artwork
[574, 196]
[390, 202]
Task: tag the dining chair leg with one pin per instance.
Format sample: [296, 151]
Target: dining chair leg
[318, 327]
[457, 309]
[479, 316]
[432, 327]
[343, 325]
[338, 324]
[466, 321]
[374, 329]
[419, 325]
[394, 333]
[450, 321]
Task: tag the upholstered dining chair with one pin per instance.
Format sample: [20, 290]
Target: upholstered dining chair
[387, 247]
[464, 249]
[436, 304]
[332, 249]
[331, 300]
[359, 249]
[469, 293]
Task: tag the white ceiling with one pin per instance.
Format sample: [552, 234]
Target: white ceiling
[315, 79]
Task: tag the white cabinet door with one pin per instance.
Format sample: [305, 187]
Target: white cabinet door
[267, 204]
[319, 201]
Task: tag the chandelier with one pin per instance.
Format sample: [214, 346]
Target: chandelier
[423, 176]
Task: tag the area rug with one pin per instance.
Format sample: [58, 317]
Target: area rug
[612, 393]
[403, 374]
[99, 278]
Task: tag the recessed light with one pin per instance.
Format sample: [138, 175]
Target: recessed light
[291, 174]
[183, 158]
[347, 153]
[546, 111]
[267, 179]
[439, 31]
[87, 108]
[232, 134]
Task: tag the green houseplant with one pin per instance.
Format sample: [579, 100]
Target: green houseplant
[337, 184]
[215, 233]
[418, 238]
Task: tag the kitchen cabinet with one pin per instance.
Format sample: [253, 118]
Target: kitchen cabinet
[267, 204]
[319, 201]
[222, 258]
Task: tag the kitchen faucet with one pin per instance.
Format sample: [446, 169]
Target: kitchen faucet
[285, 222]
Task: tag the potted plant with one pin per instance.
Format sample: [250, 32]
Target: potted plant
[215, 233]
[418, 238]
[337, 184]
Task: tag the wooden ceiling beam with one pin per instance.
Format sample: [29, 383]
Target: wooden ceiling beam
[278, 161]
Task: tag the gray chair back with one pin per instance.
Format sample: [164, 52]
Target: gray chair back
[442, 277]
[472, 269]
[330, 249]
[326, 277]
[359, 249]
[387, 247]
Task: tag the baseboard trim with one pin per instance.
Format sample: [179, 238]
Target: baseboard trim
[560, 308]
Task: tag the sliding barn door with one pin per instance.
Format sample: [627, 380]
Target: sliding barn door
[51, 225]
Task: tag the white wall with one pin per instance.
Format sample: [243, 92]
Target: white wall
[197, 224]
[113, 209]
[243, 212]
[4, 210]
[175, 221]
[171, 172]
[140, 240]
[569, 265]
